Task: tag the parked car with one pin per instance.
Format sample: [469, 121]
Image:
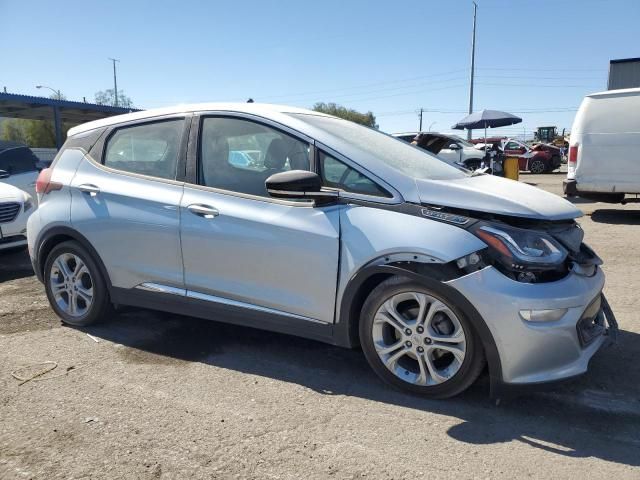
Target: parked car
[603, 149]
[336, 232]
[15, 207]
[18, 166]
[539, 158]
[450, 148]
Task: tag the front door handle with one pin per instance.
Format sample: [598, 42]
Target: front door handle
[205, 211]
[92, 190]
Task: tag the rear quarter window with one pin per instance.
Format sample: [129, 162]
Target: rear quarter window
[148, 149]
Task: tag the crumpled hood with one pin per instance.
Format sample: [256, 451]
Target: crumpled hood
[486, 193]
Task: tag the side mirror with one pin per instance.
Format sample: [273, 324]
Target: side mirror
[4, 174]
[454, 146]
[299, 185]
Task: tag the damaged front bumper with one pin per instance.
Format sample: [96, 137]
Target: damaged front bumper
[544, 332]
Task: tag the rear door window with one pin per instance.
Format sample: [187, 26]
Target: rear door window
[148, 149]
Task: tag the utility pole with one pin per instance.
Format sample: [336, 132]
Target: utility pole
[115, 81]
[420, 113]
[473, 64]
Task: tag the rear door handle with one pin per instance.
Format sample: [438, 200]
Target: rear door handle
[205, 211]
[89, 188]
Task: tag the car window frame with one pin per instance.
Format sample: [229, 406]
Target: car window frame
[395, 197]
[193, 154]
[100, 146]
[342, 191]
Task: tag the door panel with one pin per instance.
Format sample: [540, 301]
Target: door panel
[132, 222]
[263, 253]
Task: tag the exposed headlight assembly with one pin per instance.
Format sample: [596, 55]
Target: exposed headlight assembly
[521, 251]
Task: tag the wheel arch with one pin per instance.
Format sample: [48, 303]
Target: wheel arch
[366, 279]
[53, 236]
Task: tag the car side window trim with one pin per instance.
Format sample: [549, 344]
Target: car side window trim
[395, 195]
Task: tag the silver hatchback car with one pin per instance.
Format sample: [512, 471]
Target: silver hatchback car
[302, 223]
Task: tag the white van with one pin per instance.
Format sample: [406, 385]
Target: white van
[604, 150]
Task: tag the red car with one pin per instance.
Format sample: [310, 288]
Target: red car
[541, 158]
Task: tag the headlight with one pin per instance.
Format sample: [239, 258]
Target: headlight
[520, 249]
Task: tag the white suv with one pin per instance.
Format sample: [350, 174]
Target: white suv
[18, 166]
[15, 207]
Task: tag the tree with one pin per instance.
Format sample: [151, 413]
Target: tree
[108, 97]
[34, 133]
[13, 130]
[368, 119]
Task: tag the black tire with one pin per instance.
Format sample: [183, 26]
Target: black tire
[100, 308]
[471, 367]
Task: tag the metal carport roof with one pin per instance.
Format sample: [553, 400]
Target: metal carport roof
[41, 108]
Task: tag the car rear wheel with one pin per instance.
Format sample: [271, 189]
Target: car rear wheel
[537, 166]
[74, 285]
[415, 338]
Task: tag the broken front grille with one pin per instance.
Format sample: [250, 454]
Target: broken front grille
[9, 211]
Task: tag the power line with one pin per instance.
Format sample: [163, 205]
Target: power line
[357, 87]
[443, 111]
[357, 97]
[533, 77]
[534, 85]
[571, 69]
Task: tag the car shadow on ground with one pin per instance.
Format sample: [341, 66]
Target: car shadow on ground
[540, 421]
[616, 217]
[15, 264]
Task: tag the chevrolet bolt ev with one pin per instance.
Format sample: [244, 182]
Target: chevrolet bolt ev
[302, 223]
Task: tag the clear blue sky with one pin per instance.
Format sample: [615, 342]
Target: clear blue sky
[390, 57]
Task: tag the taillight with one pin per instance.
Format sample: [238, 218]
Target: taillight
[44, 184]
[573, 154]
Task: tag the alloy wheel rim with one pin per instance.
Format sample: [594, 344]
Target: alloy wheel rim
[71, 284]
[419, 339]
[537, 167]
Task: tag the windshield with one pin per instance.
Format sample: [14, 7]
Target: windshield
[397, 154]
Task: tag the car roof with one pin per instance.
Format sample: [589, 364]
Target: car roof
[253, 108]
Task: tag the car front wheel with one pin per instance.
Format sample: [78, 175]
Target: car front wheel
[415, 338]
[74, 285]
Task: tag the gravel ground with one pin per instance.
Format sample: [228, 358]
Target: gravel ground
[151, 395]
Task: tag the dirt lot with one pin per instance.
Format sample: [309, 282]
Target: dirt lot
[160, 396]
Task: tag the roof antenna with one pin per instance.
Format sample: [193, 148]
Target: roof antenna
[250, 100]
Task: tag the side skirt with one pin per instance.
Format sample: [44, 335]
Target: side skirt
[222, 312]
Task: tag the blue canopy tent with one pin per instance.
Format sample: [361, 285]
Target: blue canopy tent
[486, 119]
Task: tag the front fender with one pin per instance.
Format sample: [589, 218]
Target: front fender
[432, 277]
[368, 233]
